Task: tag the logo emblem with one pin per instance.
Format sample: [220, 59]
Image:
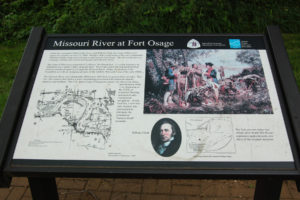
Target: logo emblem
[235, 43]
[194, 44]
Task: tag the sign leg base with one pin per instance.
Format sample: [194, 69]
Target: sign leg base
[43, 188]
[268, 189]
[298, 184]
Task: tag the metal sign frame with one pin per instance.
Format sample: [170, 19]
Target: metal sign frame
[288, 95]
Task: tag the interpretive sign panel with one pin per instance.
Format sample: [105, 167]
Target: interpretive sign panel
[154, 98]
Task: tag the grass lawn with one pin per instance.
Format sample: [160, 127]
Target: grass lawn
[292, 45]
[10, 57]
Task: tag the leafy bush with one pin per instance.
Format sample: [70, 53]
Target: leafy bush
[130, 16]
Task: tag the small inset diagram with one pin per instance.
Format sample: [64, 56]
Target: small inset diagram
[210, 135]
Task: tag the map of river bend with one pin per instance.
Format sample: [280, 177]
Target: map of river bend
[86, 114]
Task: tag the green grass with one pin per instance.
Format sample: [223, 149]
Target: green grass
[292, 44]
[10, 56]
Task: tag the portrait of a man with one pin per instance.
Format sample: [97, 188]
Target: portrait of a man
[166, 137]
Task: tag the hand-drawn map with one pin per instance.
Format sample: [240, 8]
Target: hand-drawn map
[86, 114]
[210, 135]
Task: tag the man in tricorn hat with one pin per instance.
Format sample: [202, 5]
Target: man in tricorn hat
[212, 80]
[211, 73]
[171, 76]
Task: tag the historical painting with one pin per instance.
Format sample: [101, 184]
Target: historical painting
[205, 81]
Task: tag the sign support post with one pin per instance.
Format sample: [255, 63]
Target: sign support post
[43, 188]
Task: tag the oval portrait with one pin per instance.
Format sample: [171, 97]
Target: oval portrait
[166, 137]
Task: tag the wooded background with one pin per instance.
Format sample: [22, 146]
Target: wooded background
[155, 16]
[17, 17]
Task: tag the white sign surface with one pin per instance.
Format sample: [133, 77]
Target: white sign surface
[131, 105]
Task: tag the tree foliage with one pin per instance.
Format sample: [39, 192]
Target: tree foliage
[130, 16]
[250, 57]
